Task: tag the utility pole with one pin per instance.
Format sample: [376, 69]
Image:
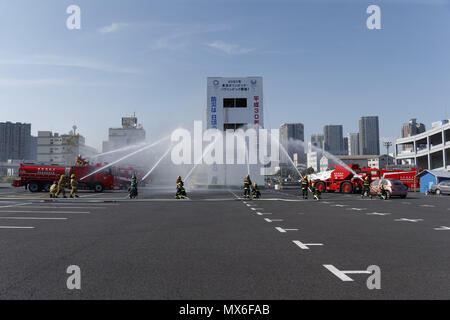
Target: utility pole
[387, 145]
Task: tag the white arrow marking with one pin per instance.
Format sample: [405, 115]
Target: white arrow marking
[342, 274]
[442, 228]
[378, 213]
[304, 246]
[409, 220]
[272, 220]
[285, 230]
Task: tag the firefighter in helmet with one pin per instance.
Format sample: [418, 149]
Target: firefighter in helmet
[61, 186]
[73, 186]
[247, 186]
[255, 191]
[181, 192]
[54, 189]
[366, 187]
[315, 191]
[305, 185]
[132, 190]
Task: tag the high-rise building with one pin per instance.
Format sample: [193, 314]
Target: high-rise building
[334, 139]
[61, 149]
[353, 144]
[412, 128]
[130, 133]
[234, 103]
[369, 136]
[345, 145]
[317, 141]
[292, 137]
[15, 141]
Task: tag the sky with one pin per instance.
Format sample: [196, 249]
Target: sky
[320, 63]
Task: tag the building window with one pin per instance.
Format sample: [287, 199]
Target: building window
[232, 126]
[235, 103]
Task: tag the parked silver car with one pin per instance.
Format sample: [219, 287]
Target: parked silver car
[441, 188]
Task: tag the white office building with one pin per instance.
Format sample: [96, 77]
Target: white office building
[427, 150]
[234, 103]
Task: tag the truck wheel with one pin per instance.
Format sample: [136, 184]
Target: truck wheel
[46, 187]
[34, 186]
[438, 192]
[321, 187]
[346, 187]
[99, 187]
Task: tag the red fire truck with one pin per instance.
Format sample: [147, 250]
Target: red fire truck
[39, 177]
[350, 179]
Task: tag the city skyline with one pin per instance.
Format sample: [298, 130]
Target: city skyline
[320, 65]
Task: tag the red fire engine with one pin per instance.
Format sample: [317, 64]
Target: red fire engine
[350, 180]
[39, 177]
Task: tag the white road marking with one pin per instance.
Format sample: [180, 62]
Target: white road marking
[254, 209]
[442, 228]
[340, 205]
[343, 274]
[305, 246]
[273, 220]
[34, 211]
[31, 218]
[14, 227]
[285, 230]
[325, 202]
[427, 205]
[409, 220]
[357, 209]
[262, 213]
[14, 205]
[63, 207]
[378, 213]
[405, 202]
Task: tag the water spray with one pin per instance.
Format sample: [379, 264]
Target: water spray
[199, 160]
[127, 156]
[287, 155]
[117, 150]
[157, 163]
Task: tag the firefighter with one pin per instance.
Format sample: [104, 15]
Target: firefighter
[247, 186]
[74, 186]
[255, 191]
[181, 192]
[382, 193]
[315, 191]
[133, 191]
[80, 161]
[61, 186]
[305, 185]
[366, 188]
[54, 189]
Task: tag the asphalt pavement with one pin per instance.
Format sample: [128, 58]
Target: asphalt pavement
[216, 245]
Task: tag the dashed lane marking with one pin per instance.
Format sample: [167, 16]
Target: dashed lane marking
[378, 213]
[305, 246]
[427, 205]
[357, 209]
[273, 220]
[285, 230]
[340, 205]
[262, 213]
[409, 220]
[442, 228]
